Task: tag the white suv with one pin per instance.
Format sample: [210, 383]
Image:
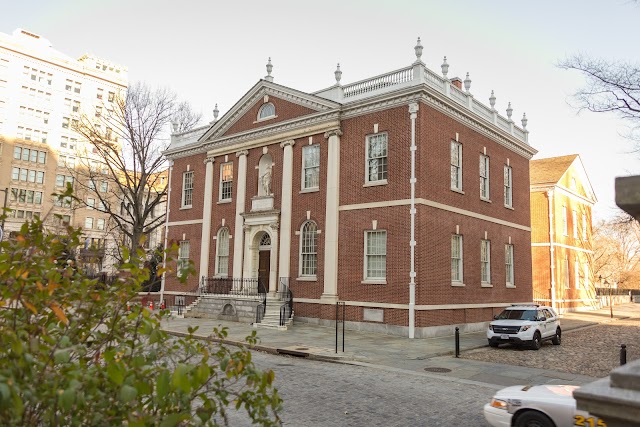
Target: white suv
[525, 324]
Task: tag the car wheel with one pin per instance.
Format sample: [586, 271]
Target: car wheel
[493, 344]
[536, 343]
[557, 339]
[533, 419]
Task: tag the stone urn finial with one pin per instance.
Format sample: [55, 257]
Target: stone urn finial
[492, 101]
[509, 111]
[338, 74]
[467, 83]
[215, 113]
[269, 77]
[174, 125]
[524, 121]
[418, 49]
[445, 68]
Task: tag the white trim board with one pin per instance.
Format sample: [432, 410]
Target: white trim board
[430, 203]
[186, 222]
[406, 306]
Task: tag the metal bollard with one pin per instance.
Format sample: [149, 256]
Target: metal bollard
[623, 354]
[458, 342]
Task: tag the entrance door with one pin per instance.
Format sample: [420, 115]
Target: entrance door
[263, 271]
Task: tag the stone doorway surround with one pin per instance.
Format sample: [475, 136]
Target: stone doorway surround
[256, 224]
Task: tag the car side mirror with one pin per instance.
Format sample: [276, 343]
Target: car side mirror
[541, 319]
[495, 317]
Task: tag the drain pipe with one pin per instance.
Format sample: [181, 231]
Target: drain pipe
[166, 232]
[551, 250]
[413, 113]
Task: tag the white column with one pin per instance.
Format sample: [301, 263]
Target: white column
[238, 230]
[552, 258]
[205, 242]
[273, 272]
[166, 231]
[285, 209]
[330, 292]
[413, 114]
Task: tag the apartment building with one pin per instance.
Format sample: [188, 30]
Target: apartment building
[402, 196]
[43, 93]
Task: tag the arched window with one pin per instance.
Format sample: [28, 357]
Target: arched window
[222, 252]
[308, 249]
[266, 111]
[265, 241]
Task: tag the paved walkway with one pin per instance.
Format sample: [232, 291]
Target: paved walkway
[393, 352]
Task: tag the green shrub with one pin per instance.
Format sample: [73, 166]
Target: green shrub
[71, 354]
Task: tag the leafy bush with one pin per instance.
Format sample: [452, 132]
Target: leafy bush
[72, 354]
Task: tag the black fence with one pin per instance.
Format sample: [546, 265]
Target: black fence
[252, 287]
[616, 291]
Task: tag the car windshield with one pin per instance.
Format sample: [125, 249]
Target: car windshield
[518, 315]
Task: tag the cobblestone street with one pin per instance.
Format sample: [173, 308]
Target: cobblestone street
[592, 351]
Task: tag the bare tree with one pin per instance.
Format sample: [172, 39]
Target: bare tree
[610, 87]
[122, 164]
[616, 247]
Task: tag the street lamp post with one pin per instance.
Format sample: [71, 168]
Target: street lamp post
[6, 193]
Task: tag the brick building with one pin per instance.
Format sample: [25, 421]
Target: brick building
[561, 213]
[367, 193]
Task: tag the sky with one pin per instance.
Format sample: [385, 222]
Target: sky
[212, 52]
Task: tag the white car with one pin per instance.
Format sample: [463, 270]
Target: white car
[525, 324]
[538, 406]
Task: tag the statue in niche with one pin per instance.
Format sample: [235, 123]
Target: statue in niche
[266, 181]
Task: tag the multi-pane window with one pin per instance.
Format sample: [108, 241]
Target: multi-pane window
[376, 255]
[484, 177]
[266, 111]
[309, 249]
[565, 268]
[226, 181]
[222, 252]
[100, 224]
[311, 166]
[574, 218]
[187, 189]
[183, 257]
[586, 275]
[456, 166]
[584, 227]
[576, 272]
[63, 180]
[91, 202]
[485, 261]
[508, 186]
[565, 221]
[377, 157]
[88, 223]
[508, 263]
[456, 258]
[104, 186]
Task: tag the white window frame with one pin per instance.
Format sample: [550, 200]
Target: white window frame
[565, 221]
[584, 227]
[576, 272]
[183, 257]
[222, 253]
[100, 224]
[509, 266]
[267, 111]
[565, 264]
[484, 177]
[308, 266]
[575, 223]
[88, 223]
[385, 172]
[457, 259]
[485, 262]
[314, 169]
[381, 253]
[456, 165]
[187, 189]
[587, 274]
[226, 184]
[508, 186]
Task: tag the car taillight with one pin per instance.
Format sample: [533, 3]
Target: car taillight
[497, 403]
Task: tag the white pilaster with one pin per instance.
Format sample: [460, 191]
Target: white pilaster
[238, 230]
[413, 114]
[331, 217]
[285, 209]
[205, 242]
[273, 269]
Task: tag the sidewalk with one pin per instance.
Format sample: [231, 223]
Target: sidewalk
[418, 355]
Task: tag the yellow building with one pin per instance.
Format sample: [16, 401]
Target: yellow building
[561, 213]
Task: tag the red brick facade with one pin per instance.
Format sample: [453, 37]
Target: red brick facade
[362, 207]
